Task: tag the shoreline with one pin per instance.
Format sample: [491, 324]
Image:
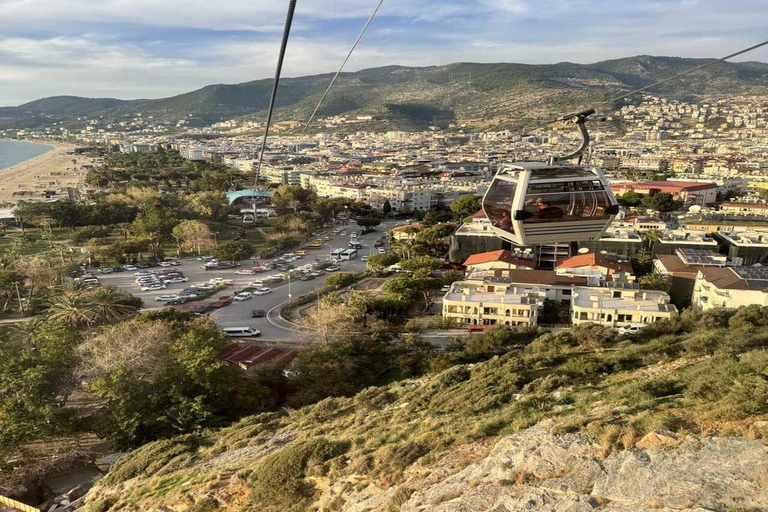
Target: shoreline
[52, 170]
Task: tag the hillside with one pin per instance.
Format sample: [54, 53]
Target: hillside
[579, 421]
[483, 95]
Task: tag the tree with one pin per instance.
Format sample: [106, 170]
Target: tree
[661, 201]
[136, 346]
[650, 237]
[328, 322]
[433, 240]
[386, 208]
[630, 198]
[186, 388]
[234, 250]
[342, 279]
[368, 223]
[213, 205]
[422, 263]
[434, 217]
[36, 378]
[193, 234]
[339, 368]
[466, 206]
[381, 261]
[656, 281]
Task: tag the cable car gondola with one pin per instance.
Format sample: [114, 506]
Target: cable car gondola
[550, 202]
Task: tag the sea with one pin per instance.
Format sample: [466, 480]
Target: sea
[13, 152]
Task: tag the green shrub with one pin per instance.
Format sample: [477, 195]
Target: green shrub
[278, 482]
[151, 458]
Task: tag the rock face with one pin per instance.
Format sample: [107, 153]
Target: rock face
[538, 471]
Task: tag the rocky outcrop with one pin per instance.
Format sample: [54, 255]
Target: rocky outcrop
[535, 470]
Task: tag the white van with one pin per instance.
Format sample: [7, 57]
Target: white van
[241, 332]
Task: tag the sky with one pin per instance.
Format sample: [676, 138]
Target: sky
[157, 48]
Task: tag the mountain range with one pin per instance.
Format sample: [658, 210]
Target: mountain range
[478, 95]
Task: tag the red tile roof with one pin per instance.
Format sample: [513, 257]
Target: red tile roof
[500, 255]
[595, 259]
[665, 186]
[250, 356]
[540, 277]
[480, 214]
[415, 226]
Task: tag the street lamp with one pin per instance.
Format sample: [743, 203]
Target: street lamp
[290, 296]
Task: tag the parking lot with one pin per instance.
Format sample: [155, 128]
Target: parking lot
[238, 313]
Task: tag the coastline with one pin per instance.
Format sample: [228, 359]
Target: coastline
[53, 170]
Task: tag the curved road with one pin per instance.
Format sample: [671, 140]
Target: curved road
[238, 314]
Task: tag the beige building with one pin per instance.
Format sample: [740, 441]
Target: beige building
[619, 305]
[473, 304]
[730, 287]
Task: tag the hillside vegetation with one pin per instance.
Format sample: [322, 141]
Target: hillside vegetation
[592, 394]
[481, 95]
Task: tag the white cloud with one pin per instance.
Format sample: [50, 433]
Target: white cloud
[132, 48]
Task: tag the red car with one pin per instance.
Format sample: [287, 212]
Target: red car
[221, 304]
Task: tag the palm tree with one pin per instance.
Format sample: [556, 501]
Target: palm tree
[75, 310]
[26, 330]
[651, 236]
[108, 305]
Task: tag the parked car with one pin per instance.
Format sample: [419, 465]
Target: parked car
[221, 304]
[245, 272]
[262, 291]
[204, 286]
[333, 268]
[382, 250]
[174, 280]
[258, 313]
[307, 277]
[256, 284]
[130, 268]
[166, 298]
[202, 310]
[240, 297]
[153, 287]
[631, 329]
[106, 270]
[221, 280]
[364, 258]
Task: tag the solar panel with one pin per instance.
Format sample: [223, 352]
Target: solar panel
[755, 276]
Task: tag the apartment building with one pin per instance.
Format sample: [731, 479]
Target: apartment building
[730, 287]
[689, 193]
[619, 305]
[473, 303]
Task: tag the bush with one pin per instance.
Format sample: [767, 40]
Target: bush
[278, 482]
[342, 279]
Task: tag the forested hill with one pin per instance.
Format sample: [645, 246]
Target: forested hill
[485, 95]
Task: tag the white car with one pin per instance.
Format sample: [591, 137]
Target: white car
[256, 284]
[204, 286]
[166, 298]
[262, 291]
[382, 250]
[245, 272]
[631, 329]
[153, 287]
[221, 280]
[174, 280]
[353, 235]
[240, 297]
[343, 233]
[332, 269]
[130, 268]
[364, 258]
[165, 263]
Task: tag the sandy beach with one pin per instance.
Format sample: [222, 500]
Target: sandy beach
[54, 170]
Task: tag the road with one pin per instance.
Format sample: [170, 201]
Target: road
[238, 314]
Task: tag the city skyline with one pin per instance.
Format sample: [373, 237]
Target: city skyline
[152, 49]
